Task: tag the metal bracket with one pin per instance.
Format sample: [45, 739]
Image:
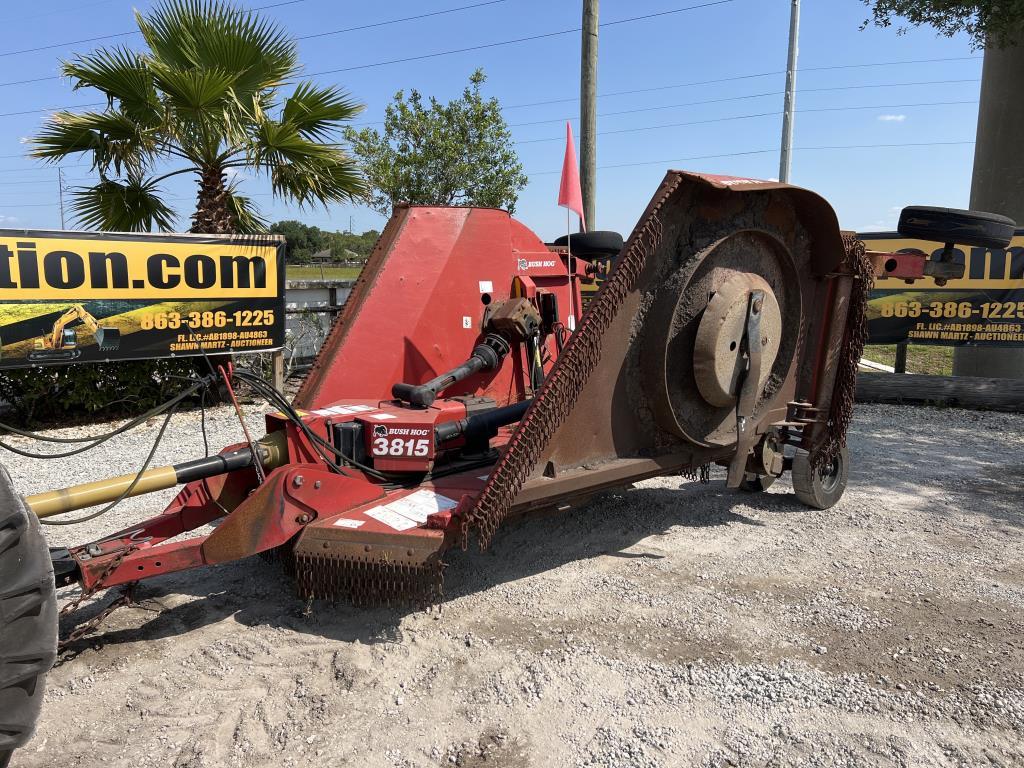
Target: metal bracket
[749, 388]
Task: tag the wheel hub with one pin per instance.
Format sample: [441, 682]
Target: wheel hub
[719, 357]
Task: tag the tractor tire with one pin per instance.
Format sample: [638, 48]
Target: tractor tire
[752, 483]
[820, 488]
[28, 619]
[600, 243]
[949, 225]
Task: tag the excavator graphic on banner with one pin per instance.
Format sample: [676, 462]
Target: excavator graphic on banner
[60, 344]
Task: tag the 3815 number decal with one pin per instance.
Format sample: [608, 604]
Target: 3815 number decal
[401, 446]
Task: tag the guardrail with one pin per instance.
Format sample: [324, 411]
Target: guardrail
[962, 391]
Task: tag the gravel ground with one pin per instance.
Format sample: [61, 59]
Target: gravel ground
[671, 624]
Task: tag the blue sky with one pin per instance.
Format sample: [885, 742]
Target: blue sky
[839, 104]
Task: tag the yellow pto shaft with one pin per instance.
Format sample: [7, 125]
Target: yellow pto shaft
[272, 449]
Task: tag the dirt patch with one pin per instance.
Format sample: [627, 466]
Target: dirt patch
[672, 624]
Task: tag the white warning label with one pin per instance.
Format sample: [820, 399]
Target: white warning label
[417, 506]
[390, 518]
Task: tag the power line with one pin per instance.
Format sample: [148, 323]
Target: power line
[752, 76]
[31, 182]
[645, 90]
[517, 40]
[52, 109]
[773, 150]
[79, 7]
[759, 114]
[743, 98]
[113, 35]
[44, 168]
[711, 101]
[396, 21]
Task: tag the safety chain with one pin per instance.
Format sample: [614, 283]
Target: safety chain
[697, 474]
[565, 382]
[856, 336]
[368, 582]
[90, 626]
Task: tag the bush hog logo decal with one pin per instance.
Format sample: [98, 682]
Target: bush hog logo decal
[525, 264]
[401, 442]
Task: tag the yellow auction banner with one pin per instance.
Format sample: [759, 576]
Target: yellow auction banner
[86, 296]
[984, 308]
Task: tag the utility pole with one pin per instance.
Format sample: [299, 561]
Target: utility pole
[785, 157]
[60, 192]
[997, 184]
[588, 113]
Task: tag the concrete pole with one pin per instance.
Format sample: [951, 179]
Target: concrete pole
[785, 156]
[997, 185]
[588, 113]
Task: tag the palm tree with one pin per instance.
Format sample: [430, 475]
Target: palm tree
[204, 99]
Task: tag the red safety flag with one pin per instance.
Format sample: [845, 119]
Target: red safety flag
[570, 195]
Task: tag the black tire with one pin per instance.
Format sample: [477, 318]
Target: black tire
[752, 483]
[602, 243]
[950, 225]
[820, 489]
[28, 618]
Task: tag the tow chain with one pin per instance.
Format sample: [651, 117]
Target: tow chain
[843, 393]
[563, 385]
[87, 628]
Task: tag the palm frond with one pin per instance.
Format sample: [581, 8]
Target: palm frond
[317, 112]
[219, 35]
[130, 206]
[194, 91]
[274, 142]
[114, 138]
[122, 75]
[330, 180]
[248, 219]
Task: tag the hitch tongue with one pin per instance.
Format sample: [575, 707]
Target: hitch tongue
[105, 491]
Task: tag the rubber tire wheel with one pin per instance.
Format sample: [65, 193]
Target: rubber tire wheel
[951, 225]
[752, 483]
[816, 489]
[28, 618]
[602, 242]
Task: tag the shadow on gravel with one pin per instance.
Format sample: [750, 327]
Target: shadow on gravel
[255, 592]
[962, 458]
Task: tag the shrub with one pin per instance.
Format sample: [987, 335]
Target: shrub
[45, 396]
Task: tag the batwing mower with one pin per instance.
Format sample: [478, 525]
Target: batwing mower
[463, 384]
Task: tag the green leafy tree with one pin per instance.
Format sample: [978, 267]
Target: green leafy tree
[344, 244]
[302, 241]
[988, 22]
[206, 97]
[459, 153]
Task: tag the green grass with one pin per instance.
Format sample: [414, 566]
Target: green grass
[934, 361]
[329, 273]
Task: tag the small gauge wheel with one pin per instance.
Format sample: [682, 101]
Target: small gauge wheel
[820, 488]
